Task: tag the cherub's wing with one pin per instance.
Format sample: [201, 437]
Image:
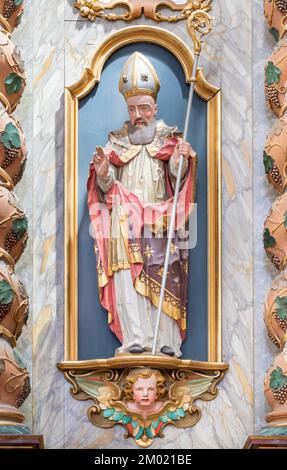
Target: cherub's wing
[95, 386]
[197, 387]
[183, 393]
[192, 388]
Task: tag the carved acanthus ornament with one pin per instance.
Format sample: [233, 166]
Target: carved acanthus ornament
[151, 9]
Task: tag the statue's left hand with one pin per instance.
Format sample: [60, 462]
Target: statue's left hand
[182, 148]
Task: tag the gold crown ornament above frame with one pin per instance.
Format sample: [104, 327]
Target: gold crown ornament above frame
[133, 9]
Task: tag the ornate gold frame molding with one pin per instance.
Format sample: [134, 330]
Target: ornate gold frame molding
[90, 77]
[151, 9]
[176, 369]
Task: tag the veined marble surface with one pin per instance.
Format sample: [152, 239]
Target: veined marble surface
[49, 387]
[237, 286]
[62, 43]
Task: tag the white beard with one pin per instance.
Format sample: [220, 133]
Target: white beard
[143, 135]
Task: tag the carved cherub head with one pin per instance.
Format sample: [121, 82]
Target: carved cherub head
[144, 387]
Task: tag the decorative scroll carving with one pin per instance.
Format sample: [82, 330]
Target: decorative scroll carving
[151, 9]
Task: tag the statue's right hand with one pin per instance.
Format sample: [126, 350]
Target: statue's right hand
[101, 162]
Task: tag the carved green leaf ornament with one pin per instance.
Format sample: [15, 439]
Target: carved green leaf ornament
[6, 293]
[10, 137]
[13, 83]
[20, 227]
[268, 162]
[277, 379]
[281, 307]
[268, 239]
[273, 74]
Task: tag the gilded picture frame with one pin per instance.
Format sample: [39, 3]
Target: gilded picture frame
[211, 94]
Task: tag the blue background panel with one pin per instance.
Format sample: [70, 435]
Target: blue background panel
[103, 110]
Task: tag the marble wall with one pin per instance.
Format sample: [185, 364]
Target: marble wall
[57, 45]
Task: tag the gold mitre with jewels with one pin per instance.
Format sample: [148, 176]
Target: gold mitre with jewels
[139, 77]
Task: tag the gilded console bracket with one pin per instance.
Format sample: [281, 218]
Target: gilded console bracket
[107, 382]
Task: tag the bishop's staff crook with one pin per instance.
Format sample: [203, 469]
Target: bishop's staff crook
[199, 23]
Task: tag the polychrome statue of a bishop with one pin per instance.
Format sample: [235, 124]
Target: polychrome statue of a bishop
[130, 195]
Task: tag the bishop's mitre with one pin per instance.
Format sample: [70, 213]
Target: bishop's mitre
[139, 77]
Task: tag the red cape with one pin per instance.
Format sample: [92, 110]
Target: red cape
[139, 213]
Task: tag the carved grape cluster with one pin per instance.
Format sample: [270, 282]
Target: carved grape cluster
[9, 8]
[4, 310]
[10, 155]
[281, 323]
[272, 95]
[17, 177]
[278, 384]
[10, 240]
[274, 340]
[280, 394]
[282, 6]
[274, 174]
[26, 389]
[276, 261]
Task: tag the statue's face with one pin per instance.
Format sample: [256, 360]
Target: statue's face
[145, 393]
[142, 110]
